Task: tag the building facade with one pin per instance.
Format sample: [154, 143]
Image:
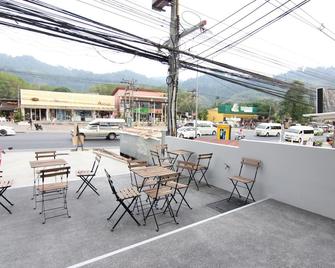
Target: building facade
[41, 105]
[141, 104]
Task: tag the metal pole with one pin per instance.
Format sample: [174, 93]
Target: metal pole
[196, 106]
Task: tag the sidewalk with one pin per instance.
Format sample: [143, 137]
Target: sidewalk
[58, 127]
[15, 165]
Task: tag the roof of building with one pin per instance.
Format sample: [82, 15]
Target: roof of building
[140, 89]
[322, 116]
[65, 100]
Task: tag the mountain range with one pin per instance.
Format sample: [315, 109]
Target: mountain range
[210, 89]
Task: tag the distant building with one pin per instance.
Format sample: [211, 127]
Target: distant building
[63, 106]
[215, 116]
[141, 104]
[8, 107]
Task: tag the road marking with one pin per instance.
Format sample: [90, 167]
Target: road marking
[112, 253]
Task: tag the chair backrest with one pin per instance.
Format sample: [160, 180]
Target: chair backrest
[45, 154]
[254, 163]
[162, 149]
[155, 157]
[111, 184]
[204, 159]
[96, 163]
[136, 164]
[162, 180]
[54, 172]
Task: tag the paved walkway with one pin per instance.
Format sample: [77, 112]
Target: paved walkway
[15, 165]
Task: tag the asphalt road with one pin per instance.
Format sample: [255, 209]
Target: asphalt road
[47, 140]
[62, 140]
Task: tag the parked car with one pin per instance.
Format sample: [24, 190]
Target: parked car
[268, 129]
[204, 127]
[187, 133]
[108, 128]
[6, 131]
[299, 133]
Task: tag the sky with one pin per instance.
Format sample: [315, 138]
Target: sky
[290, 43]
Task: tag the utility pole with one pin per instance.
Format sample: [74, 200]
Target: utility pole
[173, 44]
[128, 101]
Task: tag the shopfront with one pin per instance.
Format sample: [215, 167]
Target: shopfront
[52, 106]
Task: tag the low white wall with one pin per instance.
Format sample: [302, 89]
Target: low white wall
[297, 175]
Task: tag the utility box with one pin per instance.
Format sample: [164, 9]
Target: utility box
[223, 132]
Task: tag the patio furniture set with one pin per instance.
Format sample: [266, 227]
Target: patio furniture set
[154, 189]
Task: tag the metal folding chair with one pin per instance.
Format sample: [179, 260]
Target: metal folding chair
[4, 185]
[87, 175]
[133, 165]
[165, 155]
[157, 161]
[130, 194]
[201, 166]
[161, 192]
[52, 191]
[254, 164]
[38, 156]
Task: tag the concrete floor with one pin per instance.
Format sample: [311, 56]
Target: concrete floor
[26, 242]
[267, 234]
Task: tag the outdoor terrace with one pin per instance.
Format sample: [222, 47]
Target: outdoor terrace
[262, 234]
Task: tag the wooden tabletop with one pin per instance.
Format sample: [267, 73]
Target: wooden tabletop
[47, 163]
[153, 171]
[182, 151]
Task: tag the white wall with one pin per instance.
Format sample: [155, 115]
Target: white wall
[297, 175]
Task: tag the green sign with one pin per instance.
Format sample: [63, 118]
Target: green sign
[142, 110]
[236, 109]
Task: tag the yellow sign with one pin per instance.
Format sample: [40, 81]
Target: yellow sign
[223, 132]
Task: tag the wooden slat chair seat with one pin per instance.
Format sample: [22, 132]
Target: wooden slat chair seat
[127, 193]
[176, 185]
[200, 166]
[52, 187]
[130, 194]
[84, 173]
[246, 180]
[161, 192]
[4, 185]
[241, 179]
[56, 190]
[87, 176]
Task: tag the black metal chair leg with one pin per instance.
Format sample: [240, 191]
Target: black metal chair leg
[7, 200]
[5, 208]
[114, 211]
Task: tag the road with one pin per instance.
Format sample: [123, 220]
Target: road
[48, 140]
[62, 140]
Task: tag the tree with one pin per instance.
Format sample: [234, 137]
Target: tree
[203, 113]
[9, 85]
[293, 106]
[103, 89]
[185, 103]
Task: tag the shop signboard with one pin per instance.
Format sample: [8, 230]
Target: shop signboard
[236, 109]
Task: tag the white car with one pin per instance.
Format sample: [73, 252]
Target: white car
[6, 131]
[187, 133]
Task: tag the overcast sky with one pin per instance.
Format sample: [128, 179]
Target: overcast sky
[286, 44]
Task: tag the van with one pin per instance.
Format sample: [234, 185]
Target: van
[108, 128]
[299, 133]
[268, 129]
[203, 127]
